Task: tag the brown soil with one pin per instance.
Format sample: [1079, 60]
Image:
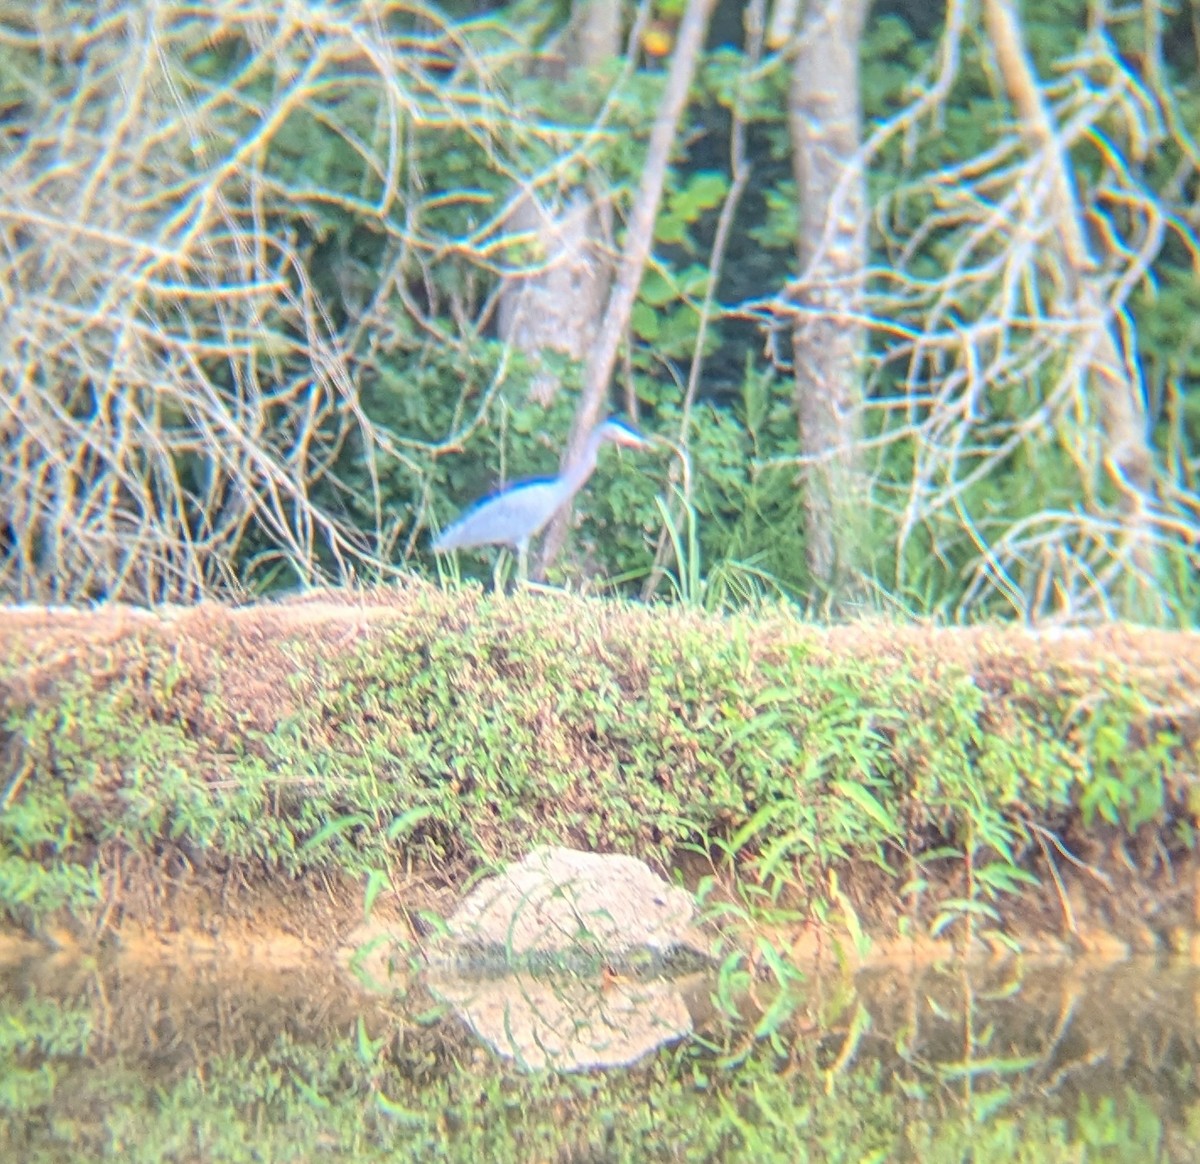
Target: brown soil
[1108, 910]
[1163, 665]
[309, 924]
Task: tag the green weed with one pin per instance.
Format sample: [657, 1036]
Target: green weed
[467, 728]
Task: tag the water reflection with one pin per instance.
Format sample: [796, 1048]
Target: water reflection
[919, 1063]
[569, 1024]
[1007, 1035]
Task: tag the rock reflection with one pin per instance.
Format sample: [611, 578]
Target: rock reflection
[1107, 1022]
[569, 1024]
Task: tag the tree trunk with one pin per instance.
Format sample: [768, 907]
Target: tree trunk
[825, 118]
[1128, 460]
[602, 355]
[558, 305]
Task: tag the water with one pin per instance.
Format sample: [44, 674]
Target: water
[156, 1060]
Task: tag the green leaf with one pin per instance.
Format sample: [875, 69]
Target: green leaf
[869, 804]
[709, 187]
[671, 229]
[656, 289]
[377, 879]
[401, 1115]
[644, 321]
[406, 821]
[1004, 877]
[334, 828]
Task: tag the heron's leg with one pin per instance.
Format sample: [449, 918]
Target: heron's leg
[496, 574]
[523, 562]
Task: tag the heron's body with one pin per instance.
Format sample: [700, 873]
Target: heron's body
[523, 510]
[519, 513]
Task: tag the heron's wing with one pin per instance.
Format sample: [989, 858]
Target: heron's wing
[508, 518]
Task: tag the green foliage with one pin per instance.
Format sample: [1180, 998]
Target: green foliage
[469, 729]
[686, 204]
[1122, 786]
[31, 889]
[39, 1042]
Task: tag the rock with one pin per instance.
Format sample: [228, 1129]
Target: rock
[562, 908]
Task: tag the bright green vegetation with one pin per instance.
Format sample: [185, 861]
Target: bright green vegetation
[450, 731]
[87, 1079]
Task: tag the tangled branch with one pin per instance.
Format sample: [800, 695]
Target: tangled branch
[176, 388]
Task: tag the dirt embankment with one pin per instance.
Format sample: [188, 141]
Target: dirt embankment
[239, 772]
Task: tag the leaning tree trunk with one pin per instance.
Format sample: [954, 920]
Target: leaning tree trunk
[557, 304]
[602, 355]
[1129, 460]
[825, 118]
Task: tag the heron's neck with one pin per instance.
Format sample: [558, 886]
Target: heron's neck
[576, 473]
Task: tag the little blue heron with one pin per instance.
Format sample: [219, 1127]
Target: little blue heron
[520, 512]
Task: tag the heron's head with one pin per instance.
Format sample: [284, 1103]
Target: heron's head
[624, 434]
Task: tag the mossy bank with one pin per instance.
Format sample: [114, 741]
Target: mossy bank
[875, 780]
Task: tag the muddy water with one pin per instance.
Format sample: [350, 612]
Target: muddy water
[217, 1059]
